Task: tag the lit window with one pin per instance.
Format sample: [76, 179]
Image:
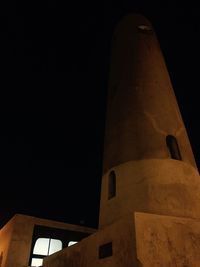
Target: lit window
[144, 29]
[48, 240]
[36, 262]
[55, 245]
[44, 247]
[71, 243]
[41, 246]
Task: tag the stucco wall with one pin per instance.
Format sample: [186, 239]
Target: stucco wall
[168, 187]
[141, 107]
[86, 252]
[5, 240]
[19, 251]
[139, 240]
[167, 241]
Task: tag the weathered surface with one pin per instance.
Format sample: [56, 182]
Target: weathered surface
[86, 252]
[165, 187]
[142, 112]
[141, 108]
[164, 241]
[139, 240]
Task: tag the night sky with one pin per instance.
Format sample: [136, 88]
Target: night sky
[54, 73]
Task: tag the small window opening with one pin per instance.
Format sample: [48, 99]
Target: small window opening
[105, 250]
[111, 185]
[144, 29]
[173, 147]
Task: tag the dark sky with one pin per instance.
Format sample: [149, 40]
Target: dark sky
[55, 61]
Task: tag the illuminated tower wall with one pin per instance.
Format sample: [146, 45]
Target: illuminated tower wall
[148, 161]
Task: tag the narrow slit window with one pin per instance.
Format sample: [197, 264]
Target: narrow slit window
[111, 185]
[105, 250]
[173, 147]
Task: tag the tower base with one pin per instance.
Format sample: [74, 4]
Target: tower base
[137, 240]
[167, 241]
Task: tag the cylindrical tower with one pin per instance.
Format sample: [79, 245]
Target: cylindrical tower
[148, 161]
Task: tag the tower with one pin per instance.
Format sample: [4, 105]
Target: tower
[148, 162]
[150, 194]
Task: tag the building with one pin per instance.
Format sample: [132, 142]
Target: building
[150, 194]
[26, 240]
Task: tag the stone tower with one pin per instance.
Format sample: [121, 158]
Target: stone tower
[148, 161]
[150, 194]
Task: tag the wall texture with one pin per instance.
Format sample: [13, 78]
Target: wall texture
[5, 242]
[142, 112]
[86, 252]
[160, 186]
[141, 107]
[167, 241]
[139, 240]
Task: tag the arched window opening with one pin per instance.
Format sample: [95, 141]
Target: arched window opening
[173, 147]
[111, 185]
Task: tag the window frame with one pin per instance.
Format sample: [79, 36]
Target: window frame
[64, 235]
[41, 256]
